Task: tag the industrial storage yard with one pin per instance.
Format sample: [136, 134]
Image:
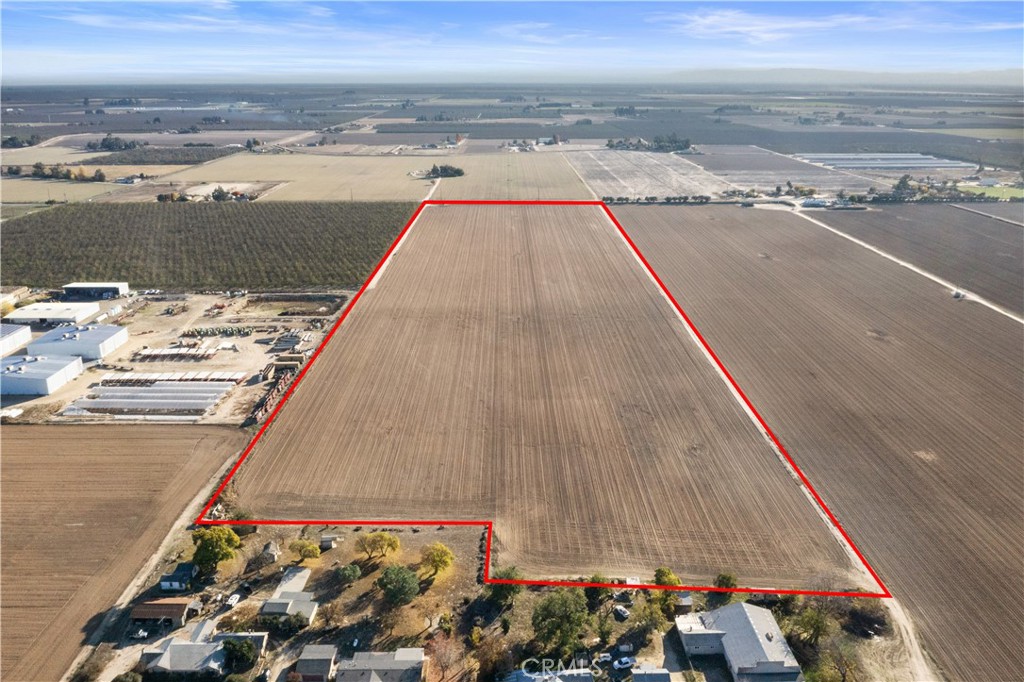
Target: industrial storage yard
[525, 349]
[85, 508]
[903, 405]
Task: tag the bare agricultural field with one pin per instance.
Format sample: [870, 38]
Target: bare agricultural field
[615, 173]
[982, 133]
[903, 406]
[49, 154]
[84, 508]
[316, 177]
[516, 364]
[36, 190]
[1013, 211]
[980, 254]
[515, 176]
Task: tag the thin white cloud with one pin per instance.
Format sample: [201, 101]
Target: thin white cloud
[319, 11]
[525, 31]
[758, 28]
[754, 28]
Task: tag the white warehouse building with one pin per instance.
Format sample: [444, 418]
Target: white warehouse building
[92, 342]
[13, 337]
[96, 289]
[36, 375]
[54, 313]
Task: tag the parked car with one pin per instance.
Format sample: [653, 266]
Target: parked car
[233, 600]
[621, 612]
[624, 663]
[139, 634]
[603, 658]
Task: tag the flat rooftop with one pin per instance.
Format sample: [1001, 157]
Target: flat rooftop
[34, 311]
[8, 329]
[36, 366]
[92, 333]
[96, 285]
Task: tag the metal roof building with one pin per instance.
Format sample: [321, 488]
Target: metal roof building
[13, 337]
[159, 398]
[749, 638]
[54, 313]
[96, 289]
[883, 161]
[92, 342]
[37, 375]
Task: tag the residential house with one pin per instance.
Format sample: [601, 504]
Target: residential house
[289, 598]
[183, 657]
[317, 663]
[196, 657]
[403, 665]
[747, 636]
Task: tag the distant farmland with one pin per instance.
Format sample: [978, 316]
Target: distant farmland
[84, 508]
[199, 246]
[983, 255]
[903, 406]
[641, 174]
[516, 364]
[316, 177]
[522, 176]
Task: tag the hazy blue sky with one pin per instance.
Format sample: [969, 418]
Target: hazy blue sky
[215, 40]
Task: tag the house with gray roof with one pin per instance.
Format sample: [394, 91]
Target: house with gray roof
[317, 662]
[289, 598]
[747, 636]
[402, 665]
[184, 657]
[196, 657]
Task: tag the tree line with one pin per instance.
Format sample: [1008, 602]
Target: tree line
[58, 172]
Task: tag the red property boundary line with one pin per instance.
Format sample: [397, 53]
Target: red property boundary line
[489, 525]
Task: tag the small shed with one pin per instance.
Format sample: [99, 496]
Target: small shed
[652, 675]
[180, 579]
[683, 603]
[328, 542]
[271, 553]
